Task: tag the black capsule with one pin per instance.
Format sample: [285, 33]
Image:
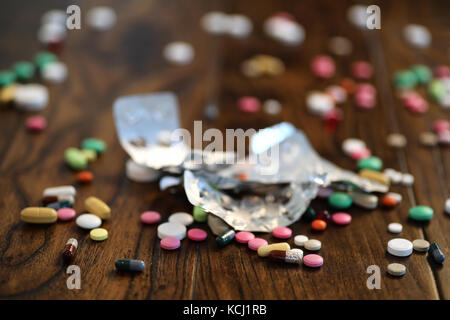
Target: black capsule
[54, 205]
[436, 253]
[225, 238]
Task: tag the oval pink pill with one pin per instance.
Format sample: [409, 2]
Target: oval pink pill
[150, 217]
[323, 66]
[249, 104]
[66, 214]
[341, 218]
[170, 243]
[197, 234]
[254, 244]
[36, 123]
[244, 236]
[313, 260]
[282, 232]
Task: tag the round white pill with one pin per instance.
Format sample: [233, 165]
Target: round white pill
[52, 32]
[238, 25]
[407, 179]
[297, 251]
[31, 97]
[101, 18]
[179, 53]
[272, 106]
[351, 145]
[395, 227]
[138, 173]
[396, 269]
[54, 16]
[55, 72]
[400, 247]
[215, 22]
[417, 36]
[171, 229]
[319, 103]
[88, 221]
[447, 206]
[300, 240]
[313, 245]
[183, 218]
[357, 15]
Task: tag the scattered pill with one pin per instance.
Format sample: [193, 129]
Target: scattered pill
[197, 234]
[324, 215]
[101, 18]
[183, 218]
[94, 144]
[199, 214]
[249, 104]
[85, 176]
[215, 22]
[256, 243]
[98, 207]
[396, 269]
[7, 93]
[284, 29]
[396, 140]
[318, 225]
[239, 26]
[423, 73]
[338, 93]
[172, 229]
[75, 159]
[36, 123]
[436, 253]
[447, 206]
[244, 236]
[323, 66]
[290, 256]
[43, 58]
[313, 245]
[441, 71]
[364, 200]
[421, 213]
[341, 218]
[66, 214]
[371, 163]
[98, 234]
[24, 70]
[70, 249]
[54, 16]
[313, 260]
[51, 33]
[421, 245]
[225, 238]
[441, 126]
[362, 70]
[282, 232]
[391, 199]
[179, 53]
[59, 191]
[351, 145]
[357, 15]
[319, 103]
[395, 227]
[130, 265]
[324, 193]
[150, 217]
[38, 215]
[138, 173]
[400, 247]
[88, 221]
[54, 72]
[300, 240]
[272, 106]
[340, 200]
[30, 97]
[428, 139]
[170, 243]
[340, 46]
[90, 155]
[407, 179]
[417, 35]
[264, 251]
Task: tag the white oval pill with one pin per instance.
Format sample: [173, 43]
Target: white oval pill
[101, 18]
[447, 206]
[88, 221]
[59, 191]
[168, 181]
[54, 16]
[183, 218]
[407, 179]
[171, 229]
[31, 97]
[179, 53]
[138, 173]
[55, 72]
[351, 145]
[215, 22]
[313, 245]
[238, 25]
[395, 227]
[300, 240]
[417, 35]
[319, 103]
[400, 247]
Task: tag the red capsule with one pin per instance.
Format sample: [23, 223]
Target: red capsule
[49, 199]
[70, 250]
[291, 256]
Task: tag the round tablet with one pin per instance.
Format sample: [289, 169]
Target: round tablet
[282, 232]
[341, 218]
[170, 243]
[244, 236]
[254, 244]
[150, 217]
[179, 53]
[421, 245]
[297, 251]
[318, 225]
[313, 245]
[396, 269]
[88, 221]
[400, 247]
[313, 260]
[98, 234]
[395, 227]
[171, 229]
[66, 214]
[351, 145]
[182, 218]
[300, 240]
[197, 234]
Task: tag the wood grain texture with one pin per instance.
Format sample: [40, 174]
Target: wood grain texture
[127, 60]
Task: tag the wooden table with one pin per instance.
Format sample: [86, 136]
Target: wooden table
[127, 60]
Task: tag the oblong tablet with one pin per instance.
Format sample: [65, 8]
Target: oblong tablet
[38, 215]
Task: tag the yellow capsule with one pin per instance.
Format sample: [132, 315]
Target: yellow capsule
[98, 207]
[38, 215]
[265, 250]
[7, 94]
[374, 175]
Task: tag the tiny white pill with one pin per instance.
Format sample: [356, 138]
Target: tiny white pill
[407, 179]
[54, 16]
[183, 218]
[319, 103]
[238, 25]
[59, 191]
[313, 245]
[179, 53]
[396, 269]
[215, 22]
[400, 247]
[88, 221]
[31, 97]
[417, 35]
[447, 206]
[55, 72]
[272, 106]
[300, 240]
[395, 227]
[357, 15]
[351, 145]
[101, 18]
[171, 229]
[52, 32]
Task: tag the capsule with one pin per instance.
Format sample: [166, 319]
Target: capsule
[130, 265]
[291, 256]
[225, 238]
[436, 253]
[309, 215]
[70, 250]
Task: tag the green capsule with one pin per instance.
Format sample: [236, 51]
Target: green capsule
[43, 58]
[199, 214]
[340, 200]
[75, 159]
[130, 265]
[405, 79]
[371, 163]
[95, 144]
[225, 238]
[7, 78]
[421, 213]
[24, 70]
[423, 73]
